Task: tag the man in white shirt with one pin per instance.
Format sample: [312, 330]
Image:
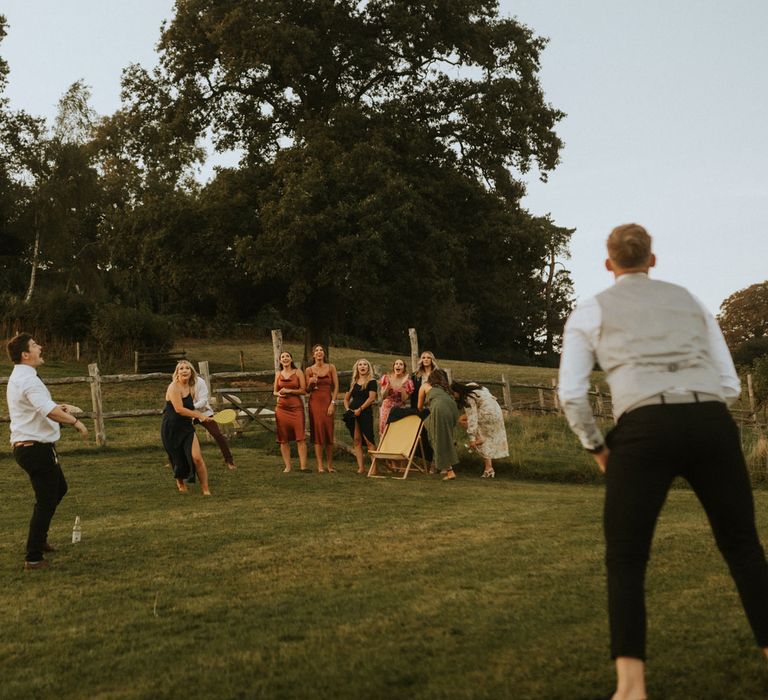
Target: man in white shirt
[671, 378]
[35, 419]
[202, 404]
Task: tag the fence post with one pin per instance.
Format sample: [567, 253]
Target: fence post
[506, 392]
[98, 412]
[135, 361]
[555, 397]
[242, 361]
[204, 371]
[600, 407]
[277, 347]
[542, 404]
[414, 348]
[77, 351]
[751, 392]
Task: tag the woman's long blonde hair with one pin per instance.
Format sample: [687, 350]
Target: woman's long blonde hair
[356, 373]
[420, 367]
[192, 377]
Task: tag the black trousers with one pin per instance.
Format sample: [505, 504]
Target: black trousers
[42, 465]
[650, 446]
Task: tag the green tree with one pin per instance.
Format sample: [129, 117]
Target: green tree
[19, 134]
[744, 315]
[63, 206]
[362, 115]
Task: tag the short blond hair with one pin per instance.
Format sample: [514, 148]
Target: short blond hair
[629, 245]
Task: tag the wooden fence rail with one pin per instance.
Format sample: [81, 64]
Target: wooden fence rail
[543, 398]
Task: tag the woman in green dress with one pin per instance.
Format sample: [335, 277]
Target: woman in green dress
[435, 394]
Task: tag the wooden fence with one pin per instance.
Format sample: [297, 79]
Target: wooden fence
[513, 397]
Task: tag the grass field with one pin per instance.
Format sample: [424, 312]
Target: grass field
[338, 586]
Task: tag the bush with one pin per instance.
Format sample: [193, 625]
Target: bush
[52, 314]
[750, 350]
[760, 379]
[121, 329]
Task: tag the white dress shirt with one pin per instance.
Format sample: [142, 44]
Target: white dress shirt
[202, 397]
[580, 340]
[29, 403]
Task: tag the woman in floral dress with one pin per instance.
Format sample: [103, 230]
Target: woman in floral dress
[395, 390]
[485, 423]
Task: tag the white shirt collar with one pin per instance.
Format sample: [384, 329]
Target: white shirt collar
[631, 276]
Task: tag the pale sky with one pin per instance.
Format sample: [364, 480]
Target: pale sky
[666, 104]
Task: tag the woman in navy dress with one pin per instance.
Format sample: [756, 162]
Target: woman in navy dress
[178, 432]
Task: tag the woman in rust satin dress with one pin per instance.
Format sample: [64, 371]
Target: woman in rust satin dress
[322, 386]
[289, 414]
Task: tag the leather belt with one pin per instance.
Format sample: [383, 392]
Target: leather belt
[25, 443]
[676, 398]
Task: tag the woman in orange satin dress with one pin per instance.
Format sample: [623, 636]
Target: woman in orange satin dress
[289, 414]
[322, 387]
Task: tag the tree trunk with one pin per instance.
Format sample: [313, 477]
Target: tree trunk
[548, 322]
[315, 332]
[33, 274]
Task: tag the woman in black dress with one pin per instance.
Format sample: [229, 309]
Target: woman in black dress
[178, 432]
[427, 365]
[359, 415]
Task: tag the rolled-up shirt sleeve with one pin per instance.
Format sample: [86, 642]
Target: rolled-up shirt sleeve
[721, 357]
[38, 396]
[582, 332]
[201, 395]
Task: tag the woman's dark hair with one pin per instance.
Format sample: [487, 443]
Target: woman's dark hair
[438, 377]
[464, 391]
[293, 365]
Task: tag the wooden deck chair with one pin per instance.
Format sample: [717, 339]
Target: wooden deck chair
[399, 441]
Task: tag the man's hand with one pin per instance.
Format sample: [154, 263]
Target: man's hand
[602, 459]
[80, 427]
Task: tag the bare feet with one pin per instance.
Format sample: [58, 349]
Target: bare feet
[286, 470]
[181, 486]
[450, 475]
[206, 492]
[331, 470]
[231, 466]
[320, 470]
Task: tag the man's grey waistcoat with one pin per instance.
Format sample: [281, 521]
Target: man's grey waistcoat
[653, 338]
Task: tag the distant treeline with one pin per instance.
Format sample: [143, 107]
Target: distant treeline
[378, 187]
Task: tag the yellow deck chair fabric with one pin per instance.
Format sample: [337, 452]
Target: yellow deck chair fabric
[399, 441]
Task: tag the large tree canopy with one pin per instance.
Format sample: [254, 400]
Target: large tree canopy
[267, 72]
[378, 188]
[387, 135]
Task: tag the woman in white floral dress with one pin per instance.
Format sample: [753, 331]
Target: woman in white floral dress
[485, 423]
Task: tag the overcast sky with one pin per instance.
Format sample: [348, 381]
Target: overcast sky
[666, 103]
